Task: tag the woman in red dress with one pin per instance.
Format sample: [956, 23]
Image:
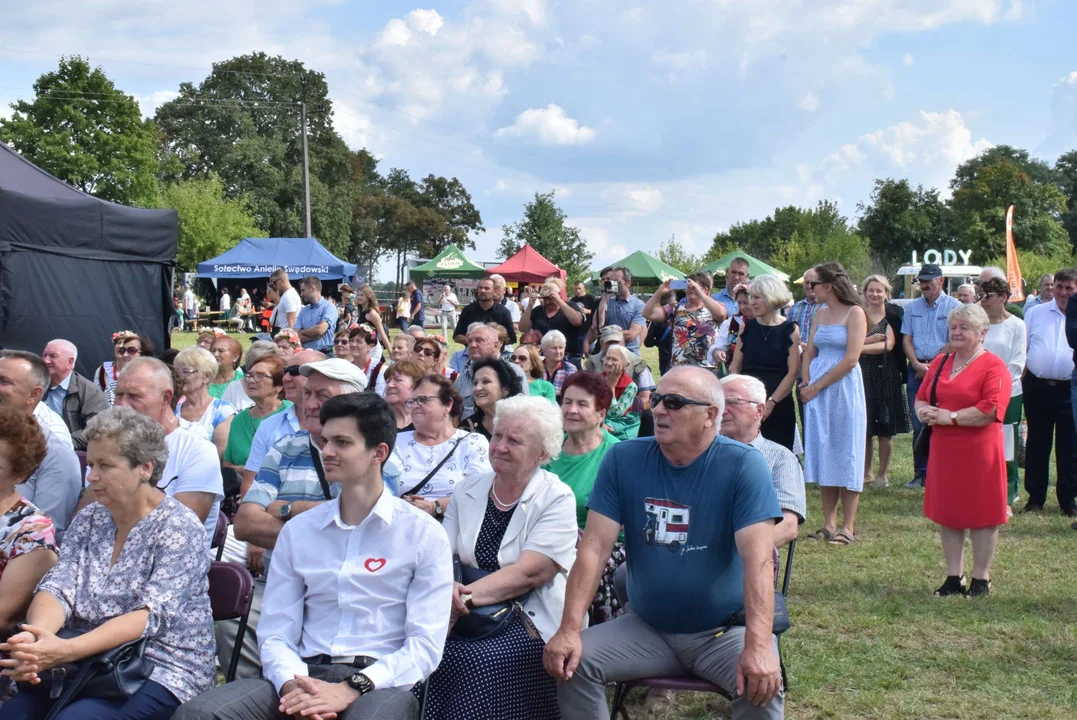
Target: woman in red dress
[966, 468]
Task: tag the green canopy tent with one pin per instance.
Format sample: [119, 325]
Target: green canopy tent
[647, 270]
[449, 263]
[755, 267]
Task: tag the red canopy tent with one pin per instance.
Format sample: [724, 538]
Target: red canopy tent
[526, 266]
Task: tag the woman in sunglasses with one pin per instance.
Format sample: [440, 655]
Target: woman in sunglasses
[529, 360]
[342, 346]
[436, 456]
[362, 343]
[622, 423]
[126, 346]
[431, 355]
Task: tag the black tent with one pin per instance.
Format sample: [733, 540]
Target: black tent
[79, 268]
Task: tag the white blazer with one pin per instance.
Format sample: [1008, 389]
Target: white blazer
[544, 521]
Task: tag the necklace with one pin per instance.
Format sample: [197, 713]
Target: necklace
[955, 371]
[493, 491]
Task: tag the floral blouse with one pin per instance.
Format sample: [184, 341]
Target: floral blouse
[160, 568]
[24, 528]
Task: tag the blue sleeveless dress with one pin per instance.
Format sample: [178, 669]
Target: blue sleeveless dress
[835, 421]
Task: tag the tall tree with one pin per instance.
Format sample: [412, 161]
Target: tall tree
[543, 227]
[899, 219]
[1066, 172]
[449, 199]
[672, 253]
[86, 132]
[243, 123]
[209, 223]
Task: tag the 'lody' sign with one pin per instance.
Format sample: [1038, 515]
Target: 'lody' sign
[945, 257]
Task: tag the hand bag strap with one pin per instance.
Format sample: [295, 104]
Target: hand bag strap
[437, 467]
[316, 457]
[935, 381]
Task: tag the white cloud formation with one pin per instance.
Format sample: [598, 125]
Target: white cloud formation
[809, 103]
[549, 126]
[644, 199]
[427, 21]
[534, 10]
[149, 103]
[907, 60]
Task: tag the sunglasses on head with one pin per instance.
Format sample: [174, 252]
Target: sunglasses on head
[292, 370]
[674, 402]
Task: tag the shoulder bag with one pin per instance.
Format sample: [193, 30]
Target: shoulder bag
[923, 443]
[487, 620]
[316, 458]
[437, 467]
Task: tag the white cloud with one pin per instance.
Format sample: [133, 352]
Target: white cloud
[809, 103]
[549, 126]
[908, 59]
[148, 104]
[680, 61]
[534, 10]
[644, 199]
[427, 21]
[1063, 136]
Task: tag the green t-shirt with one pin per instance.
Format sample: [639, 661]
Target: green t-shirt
[217, 389]
[241, 434]
[543, 388]
[579, 473]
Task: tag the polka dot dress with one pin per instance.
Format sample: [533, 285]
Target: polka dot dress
[497, 678]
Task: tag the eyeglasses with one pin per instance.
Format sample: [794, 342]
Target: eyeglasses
[428, 352]
[520, 358]
[132, 351]
[674, 402]
[735, 402]
[292, 370]
[259, 377]
[188, 372]
[419, 400]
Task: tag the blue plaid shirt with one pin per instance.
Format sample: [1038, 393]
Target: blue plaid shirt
[928, 325]
[310, 316]
[803, 313]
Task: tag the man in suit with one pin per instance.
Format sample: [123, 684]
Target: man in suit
[70, 395]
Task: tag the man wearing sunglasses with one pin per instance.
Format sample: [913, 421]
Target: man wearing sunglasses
[698, 512]
[287, 310]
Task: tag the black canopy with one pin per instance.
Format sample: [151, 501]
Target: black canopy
[79, 268]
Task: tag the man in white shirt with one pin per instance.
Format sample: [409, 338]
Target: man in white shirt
[449, 305]
[356, 607]
[1048, 407]
[288, 307]
[49, 420]
[190, 306]
[226, 301]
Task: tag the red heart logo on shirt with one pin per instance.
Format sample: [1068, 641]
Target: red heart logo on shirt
[374, 564]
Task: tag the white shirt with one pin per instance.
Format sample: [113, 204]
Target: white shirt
[188, 300]
[544, 522]
[472, 457]
[1006, 340]
[514, 311]
[193, 467]
[289, 302]
[226, 303]
[235, 394]
[449, 302]
[382, 589]
[1049, 354]
[47, 418]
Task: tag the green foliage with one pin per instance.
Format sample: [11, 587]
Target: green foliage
[672, 253]
[900, 219]
[543, 227]
[84, 131]
[1066, 173]
[209, 223]
[1034, 266]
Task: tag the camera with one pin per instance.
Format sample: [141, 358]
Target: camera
[610, 286]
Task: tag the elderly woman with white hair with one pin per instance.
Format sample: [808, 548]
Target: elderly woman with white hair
[555, 369]
[963, 399]
[514, 530]
[622, 423]
[769, 349]
[207, 417]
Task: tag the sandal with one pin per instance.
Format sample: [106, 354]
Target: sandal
[822, 534]
[843, 538]
[978, 588]
[954, 585]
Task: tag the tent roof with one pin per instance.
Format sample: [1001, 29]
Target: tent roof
[755, 267]
[19, 174]
[449, 263]
[259, 257]
[526, 265]
[647, 270]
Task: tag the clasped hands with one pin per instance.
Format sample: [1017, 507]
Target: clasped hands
[31, 651]
[316, 699]
[929, 415]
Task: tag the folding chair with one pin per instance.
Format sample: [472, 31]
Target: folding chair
[231, 592]
[690, 682]
[81, 455]
[220, 534]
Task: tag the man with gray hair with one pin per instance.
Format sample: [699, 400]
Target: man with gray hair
[1046, 294]
[54, 487]
[745, 401]
[481, 342]
[718, 625]
[71, 396]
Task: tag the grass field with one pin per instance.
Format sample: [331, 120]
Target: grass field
[869, 640]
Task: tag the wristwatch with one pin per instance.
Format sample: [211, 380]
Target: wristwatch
[286, 512]
[439, 512]
[953, 418]
[360, 682]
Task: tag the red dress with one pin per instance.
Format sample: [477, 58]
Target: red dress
[966, 467]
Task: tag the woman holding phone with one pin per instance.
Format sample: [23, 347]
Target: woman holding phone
[693, 322]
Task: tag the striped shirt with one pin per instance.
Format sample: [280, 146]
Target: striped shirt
[787, 475]
[928, 325]
[559, 376]
[802, 314]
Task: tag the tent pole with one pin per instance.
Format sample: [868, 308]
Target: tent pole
[306, 172]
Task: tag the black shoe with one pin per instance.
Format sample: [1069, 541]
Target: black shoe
[1070, 511]
[1032, 508]
[915, 484]
[954, 585]
[979, 588]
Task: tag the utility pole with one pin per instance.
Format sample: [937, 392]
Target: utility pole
[306, 172]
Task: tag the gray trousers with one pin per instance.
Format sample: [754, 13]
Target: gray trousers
[627, 648]
[250, 663]
[258, 700]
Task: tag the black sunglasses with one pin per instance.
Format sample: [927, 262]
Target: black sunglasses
[674, 402]
[292, 370]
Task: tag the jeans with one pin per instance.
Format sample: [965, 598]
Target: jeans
[153, 702]
[912, 387]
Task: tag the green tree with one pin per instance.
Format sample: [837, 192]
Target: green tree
[1066, 172]
[243, 123]
[86, 132]
[672, 253]
[543, 227]
[900, 219]
[451, 201]
[209, 223]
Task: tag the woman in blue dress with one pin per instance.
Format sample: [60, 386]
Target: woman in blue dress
[832, 393]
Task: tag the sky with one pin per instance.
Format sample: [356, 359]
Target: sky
[648, 119]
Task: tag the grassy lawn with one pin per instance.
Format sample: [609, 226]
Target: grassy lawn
[870, 641]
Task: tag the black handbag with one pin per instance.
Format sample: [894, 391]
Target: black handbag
[923, 442]
[487, 620]
[114, 674]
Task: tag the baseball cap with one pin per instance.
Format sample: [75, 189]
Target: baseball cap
[929, 271]
[611, 332]
[337, 369]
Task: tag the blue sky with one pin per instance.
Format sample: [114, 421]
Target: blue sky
[648, 118]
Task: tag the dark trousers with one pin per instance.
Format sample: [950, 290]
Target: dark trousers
[912, 386]
[1049, 413]
[153, 702]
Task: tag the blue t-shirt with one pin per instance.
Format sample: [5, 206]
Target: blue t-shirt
[684, 573]
[417, 302]
[625, 314]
